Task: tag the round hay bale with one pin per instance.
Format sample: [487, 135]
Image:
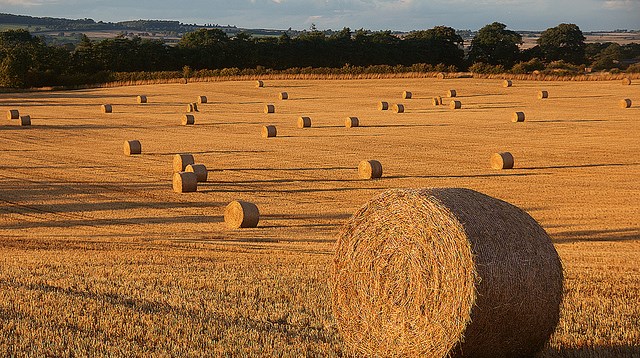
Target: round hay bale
[383, 106]
[445, 272]
[185, 182]
[283, 95]
[455, 105]
[398, 108]
[543, 94]
[269, 131]
[241, 214]
[188, 120]
[625, 103]
[269, 108]
[369, 169]
[626, 81]
[259, 84]
[192, 107]
[142, 99]
[441, 75]
[437, 101]
[518, 117]
[180, 162]
[13, 114]
[407, 95]
[502, 160]
[507, 83]
[132, 147]
[304, 122]
[200, 170]
[452, 93]
[202, 99]
[25, 120]
[107, 108]
[350, 122]
[184, 81]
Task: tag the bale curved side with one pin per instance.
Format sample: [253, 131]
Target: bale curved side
[350, 122]
[437, 272]
[383, 106]
[200, 171]
[180, 162]
[241, 214]
[132, 147]
[13, 114]
[304, 122]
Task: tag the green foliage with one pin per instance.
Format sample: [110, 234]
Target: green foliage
[563, 42]
[562, 68]
[635, 68]
[485, 68]
[528, 67]
[495, 45]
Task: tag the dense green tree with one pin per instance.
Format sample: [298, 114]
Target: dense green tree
[495, 45]
[563, 42]
[440, 44]
[21, 56]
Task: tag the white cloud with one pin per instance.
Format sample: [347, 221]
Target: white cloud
[622, 5]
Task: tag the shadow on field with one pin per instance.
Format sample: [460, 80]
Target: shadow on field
[460, 176]
[567, 120]
[581, 166]
[206, 152]
[623, 234]
[627, 350]
[287, 169]
[406, 125]
[89, 222]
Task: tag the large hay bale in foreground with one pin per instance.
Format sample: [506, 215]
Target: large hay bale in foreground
[383, 106]
[13, 114]
[626, 81]
[518, 117]
[455, 104]
[350, 122]
[269, 108]
[106, 108]
[202, 99]
[283, 95]
[625, 103]
[180, 162]
[502, 160]
[269, 131]
[407, 95]
[304, 122]
[25, 120]
[241, 214]
[445, 271]
[369, 169]
[185, 182]
[132, 147]
[141, 99]
[200, 170]
[543, 94]
[188, 120]
[507, 83]
[398, 108]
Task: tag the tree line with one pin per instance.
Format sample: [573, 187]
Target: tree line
[26, 61]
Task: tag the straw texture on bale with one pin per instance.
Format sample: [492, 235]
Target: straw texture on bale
[383, 106]
[445, 272]
[142, 99]
[369, 169]
[350, 122]
[188, 119]
[269, 131]
[184, 81]
[625, 103]
[543, 94]
[192, 107]
[269, 108]
[452, 93]
[503, 160]
[283, 95]
[455, 105]
[241, 214]
[25, 120]
[202, 99]
[407, 95]
[507, 83]
[398, 108]
[200, 171]
[180, 162]
[185, 182]
[106, 108]
[437, 101]
[132, 147]
[259, 84]
[440, 76]
[518, 117]
[13, 114]
[304, 122]
[626, 81]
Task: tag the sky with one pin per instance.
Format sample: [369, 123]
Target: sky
[402, 15]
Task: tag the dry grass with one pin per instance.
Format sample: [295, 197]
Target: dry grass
[100, 257]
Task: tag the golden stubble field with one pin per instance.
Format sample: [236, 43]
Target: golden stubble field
[99, 256]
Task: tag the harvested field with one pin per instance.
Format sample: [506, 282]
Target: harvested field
[100, 256]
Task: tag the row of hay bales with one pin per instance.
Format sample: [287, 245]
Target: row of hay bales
[22, 120]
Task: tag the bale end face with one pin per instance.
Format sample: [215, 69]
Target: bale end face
[503, 160]
[180, 162]
[626, 81]
[200, 171]
[625, 103]
[304, 122]
[132, 147]
[518, 117]
[283, 95]
[455, 105]
[543, 94]
[107, 108]
[142, 99]
[369, 169]
[188, 120]
[398, 108]
[383, 106]
[259, 84]
[407, 95]
[13, 114]
[507, 83]
[269, 131]
[241, 214]
[351, 122]
[25, 120]
[452, 93]
[269, 108]
[184, 182]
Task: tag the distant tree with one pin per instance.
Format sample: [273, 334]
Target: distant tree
[440, 44]
[21, 55]
[495, 45]
[563, 42]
